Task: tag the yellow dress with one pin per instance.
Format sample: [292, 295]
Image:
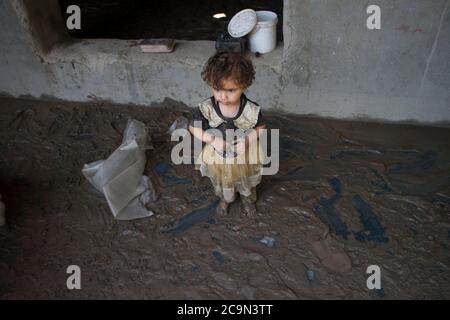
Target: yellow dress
[231, 175]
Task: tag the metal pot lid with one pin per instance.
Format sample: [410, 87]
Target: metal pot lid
[242, 23]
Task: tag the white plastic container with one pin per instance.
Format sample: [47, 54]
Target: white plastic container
[260, 26]
[263, 37]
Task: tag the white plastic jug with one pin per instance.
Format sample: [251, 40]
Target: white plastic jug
[263, 37]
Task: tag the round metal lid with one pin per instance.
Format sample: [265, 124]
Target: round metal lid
[242, 23]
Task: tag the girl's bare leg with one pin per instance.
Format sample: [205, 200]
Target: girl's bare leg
[248, 204]
[222, 208]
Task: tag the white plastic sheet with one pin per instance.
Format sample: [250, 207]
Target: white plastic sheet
[180, 123]
[120, 177]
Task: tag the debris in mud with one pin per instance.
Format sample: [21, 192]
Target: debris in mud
[268, 241]
[192, 218]
[328, 213]
[179, 123]
[163, 169]
[311, 275]
[380, 293]
[373, 230]
[120, 177]
[218, 257]
[389, 185]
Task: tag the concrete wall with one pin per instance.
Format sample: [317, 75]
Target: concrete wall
[329, 65]
[334, 66]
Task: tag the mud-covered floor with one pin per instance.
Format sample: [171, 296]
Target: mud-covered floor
[377, 194]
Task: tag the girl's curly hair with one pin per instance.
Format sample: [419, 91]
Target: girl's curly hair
[228, 65]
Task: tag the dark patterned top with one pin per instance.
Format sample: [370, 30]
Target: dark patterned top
[228, 122]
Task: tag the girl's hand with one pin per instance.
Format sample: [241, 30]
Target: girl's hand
[241, 145]
[220, 145]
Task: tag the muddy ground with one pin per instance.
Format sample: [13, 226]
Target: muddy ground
[347, 192]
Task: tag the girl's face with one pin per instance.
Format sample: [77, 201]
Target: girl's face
[229, 94]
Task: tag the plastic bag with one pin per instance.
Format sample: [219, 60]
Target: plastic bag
[120, 177]
[180, 123]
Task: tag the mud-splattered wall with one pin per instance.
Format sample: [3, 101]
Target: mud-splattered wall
[335, 66]
[330, 64]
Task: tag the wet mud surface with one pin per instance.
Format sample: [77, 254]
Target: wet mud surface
[348, 195]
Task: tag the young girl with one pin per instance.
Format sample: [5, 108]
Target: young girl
[228, 163]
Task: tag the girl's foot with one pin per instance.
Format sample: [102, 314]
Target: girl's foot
[222, 209]
[248, 208]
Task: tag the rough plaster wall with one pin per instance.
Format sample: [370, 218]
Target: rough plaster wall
[331, 64]
[114, 70]
[21, 71]
[334, 66]
[46, 26]
[123, 76]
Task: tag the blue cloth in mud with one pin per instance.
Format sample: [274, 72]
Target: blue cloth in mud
[328, 213]
[422, 163]
[163, 170]
[205, 214]
[373, 229]
[219, 257]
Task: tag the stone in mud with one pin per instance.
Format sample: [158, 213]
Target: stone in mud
[268, 241]
[333, 258]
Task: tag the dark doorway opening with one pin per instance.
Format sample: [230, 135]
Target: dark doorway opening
[177, 19]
